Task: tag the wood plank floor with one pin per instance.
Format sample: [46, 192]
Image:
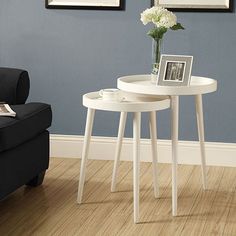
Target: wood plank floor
[51, 209]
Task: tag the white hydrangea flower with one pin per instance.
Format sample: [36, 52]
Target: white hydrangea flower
[159, 16]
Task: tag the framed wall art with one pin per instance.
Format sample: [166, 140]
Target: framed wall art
[86, 4]
[175, 70]
[196, 5]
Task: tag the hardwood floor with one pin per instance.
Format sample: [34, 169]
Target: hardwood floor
[51, 209]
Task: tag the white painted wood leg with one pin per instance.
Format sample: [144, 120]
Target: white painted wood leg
[136, 163]
[153, 134]
[200, 125]
[123, 116]
[174, 136]
[87, 138]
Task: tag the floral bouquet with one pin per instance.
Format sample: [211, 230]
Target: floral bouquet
[162, 20]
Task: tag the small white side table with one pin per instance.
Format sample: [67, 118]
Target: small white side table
[141, 84]
[135, 104]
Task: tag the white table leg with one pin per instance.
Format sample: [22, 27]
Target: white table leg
[136, 163]
[123, 116]
[200, 125]
[87, 138]
[174, 136]
[153, 134]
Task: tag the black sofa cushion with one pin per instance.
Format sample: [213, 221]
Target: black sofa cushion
[31, 120]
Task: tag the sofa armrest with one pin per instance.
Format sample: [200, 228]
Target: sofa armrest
[14, 86]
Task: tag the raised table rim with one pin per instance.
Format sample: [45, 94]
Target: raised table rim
[142, 84]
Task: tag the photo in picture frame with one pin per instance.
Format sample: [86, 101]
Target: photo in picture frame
[196, 5]
[175, 70]
[86, 4]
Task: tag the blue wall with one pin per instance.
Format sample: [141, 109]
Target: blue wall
[68, 53]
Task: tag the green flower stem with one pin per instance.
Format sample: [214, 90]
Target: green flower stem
[158, 50]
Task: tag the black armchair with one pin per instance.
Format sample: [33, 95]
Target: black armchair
[24, 139]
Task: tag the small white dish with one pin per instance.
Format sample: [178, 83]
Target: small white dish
[111, 94]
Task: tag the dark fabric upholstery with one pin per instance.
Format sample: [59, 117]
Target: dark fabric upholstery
[14, 85]
[31, 120]
[24, 140]
[22, 163]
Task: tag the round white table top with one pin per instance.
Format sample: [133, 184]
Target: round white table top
[129, 103]
[142, 84]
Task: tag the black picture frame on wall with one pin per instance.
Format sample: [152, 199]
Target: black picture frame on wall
[90, 5]
[198, 5]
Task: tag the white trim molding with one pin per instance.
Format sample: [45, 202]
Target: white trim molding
[103, 148]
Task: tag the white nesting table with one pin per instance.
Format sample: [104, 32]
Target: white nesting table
[141, 84]
[131, 103]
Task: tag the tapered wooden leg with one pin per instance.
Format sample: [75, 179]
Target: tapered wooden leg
[123, 116]
[87, 138]
[174, 135]
[153, 134]
[200, 125]
[136, 163]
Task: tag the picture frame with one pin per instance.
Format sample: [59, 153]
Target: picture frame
[175, 70]
[196, 5]
[86, 4]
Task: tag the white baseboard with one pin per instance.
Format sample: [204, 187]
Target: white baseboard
[103, 148]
